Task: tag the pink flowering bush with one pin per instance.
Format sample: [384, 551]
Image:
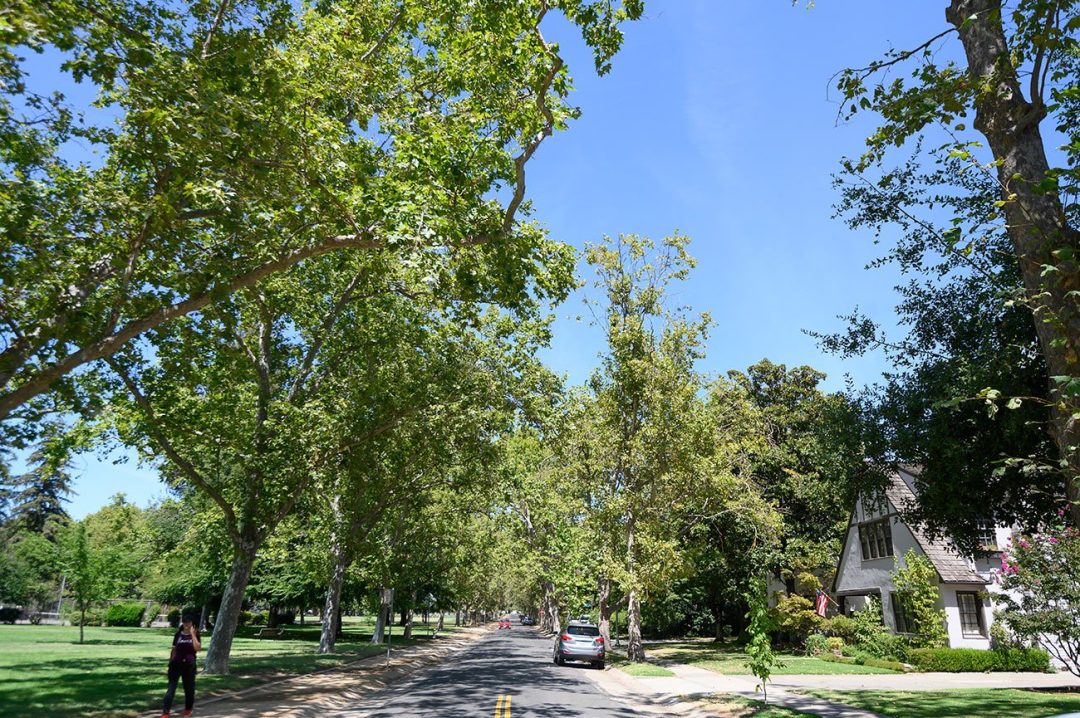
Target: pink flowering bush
[1042, 571]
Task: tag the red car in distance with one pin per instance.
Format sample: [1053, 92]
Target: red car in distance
[504, 622]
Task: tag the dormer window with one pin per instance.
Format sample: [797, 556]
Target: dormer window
[987, 535]
[876, 539]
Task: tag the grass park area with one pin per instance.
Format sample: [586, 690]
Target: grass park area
[729, 706]
[984, 702]
[728, 659]
[44, 672]
[640, 670]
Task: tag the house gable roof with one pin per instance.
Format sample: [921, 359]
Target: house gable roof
[943, 554]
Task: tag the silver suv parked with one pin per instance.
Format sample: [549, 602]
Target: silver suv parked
[579, 641]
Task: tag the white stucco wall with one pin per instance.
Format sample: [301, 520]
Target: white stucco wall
[855, 576]
[871, 576]
[957, 639]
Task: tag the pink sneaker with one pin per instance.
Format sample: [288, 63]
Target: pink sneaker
[186, 713]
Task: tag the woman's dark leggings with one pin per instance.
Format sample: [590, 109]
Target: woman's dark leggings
[180, 670]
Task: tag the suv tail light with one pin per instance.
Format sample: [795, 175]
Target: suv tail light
[599, 641]
[566, 637]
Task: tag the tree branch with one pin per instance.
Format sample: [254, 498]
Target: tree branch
[327, 327]
[545, 131]
[218, 18]
[108, 345]
[170, 451]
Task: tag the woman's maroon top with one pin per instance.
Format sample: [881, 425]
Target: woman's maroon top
[183, 647]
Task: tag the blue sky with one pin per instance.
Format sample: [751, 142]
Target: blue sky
[716, 120]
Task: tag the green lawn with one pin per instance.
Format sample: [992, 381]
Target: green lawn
[739, 707]
[645, 670]
[44, 671]
[982, 702]
[727, 659]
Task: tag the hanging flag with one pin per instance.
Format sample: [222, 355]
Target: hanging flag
[821, 603]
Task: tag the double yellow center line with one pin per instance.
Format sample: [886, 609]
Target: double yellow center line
[502, 706]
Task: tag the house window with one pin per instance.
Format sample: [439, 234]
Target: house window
[987, 535]
[876, 539]
[901, 608]
[971, 618]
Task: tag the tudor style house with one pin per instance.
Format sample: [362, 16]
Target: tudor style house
[878, 538]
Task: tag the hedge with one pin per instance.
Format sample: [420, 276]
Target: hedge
[964, 660]
[125, 614]
[10, 614]
[864, 660]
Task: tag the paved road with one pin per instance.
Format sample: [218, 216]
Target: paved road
[508, 674]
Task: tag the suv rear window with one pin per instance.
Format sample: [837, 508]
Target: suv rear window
[583, 630]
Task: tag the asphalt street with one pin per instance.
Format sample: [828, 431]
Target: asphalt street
[508, 674]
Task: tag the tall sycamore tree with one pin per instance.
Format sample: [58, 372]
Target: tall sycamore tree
[235, 139]
[649, 429]
[1016, 85]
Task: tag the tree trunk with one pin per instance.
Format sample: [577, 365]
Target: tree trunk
[217, 656]
[457, 617]
[1035, 218]
[409, 616]
[204, 615]
[384, 617]
[272, 617]
[439, 626]
[551, 610]
[303, 610]
[635, 651]
[82, 622]
[604, 602]
[331, 618]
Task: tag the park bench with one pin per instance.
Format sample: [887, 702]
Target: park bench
[269, 633]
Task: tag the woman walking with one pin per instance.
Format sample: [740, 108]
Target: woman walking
[182, 666]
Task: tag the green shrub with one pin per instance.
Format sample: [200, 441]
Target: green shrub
[807, 583]
[917, 587]
[974, 660]
[796, 616]
[125, 614]
[173, 617]
[873, 638]
[258, 618]
[842, 627]
[861, 658]
[835, 644]
[286, 618]
[884, 663]
[94, 616]
[9, 614]
[832, 658]
[244, 618]
[816, 644]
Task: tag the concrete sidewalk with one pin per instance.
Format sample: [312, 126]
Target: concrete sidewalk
[690, 684]
[927, 681]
